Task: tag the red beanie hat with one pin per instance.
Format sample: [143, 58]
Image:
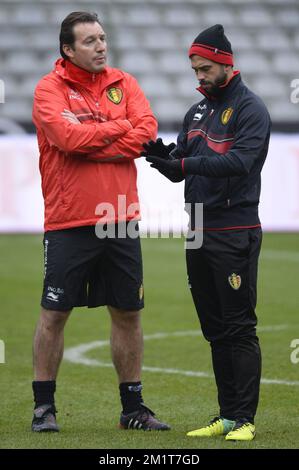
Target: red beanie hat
[213, 45]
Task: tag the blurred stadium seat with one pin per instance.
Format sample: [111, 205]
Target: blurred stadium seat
[151, 40]
[256, 16]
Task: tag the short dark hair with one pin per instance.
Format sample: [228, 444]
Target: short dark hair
[66, 35]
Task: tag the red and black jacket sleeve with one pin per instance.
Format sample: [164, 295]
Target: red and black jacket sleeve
[251, 139]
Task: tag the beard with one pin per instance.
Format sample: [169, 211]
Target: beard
[213, 88]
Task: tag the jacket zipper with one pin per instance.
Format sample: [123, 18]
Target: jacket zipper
[228, 190]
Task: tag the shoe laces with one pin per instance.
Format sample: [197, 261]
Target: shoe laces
[240, 426]
[144, 413]
[214, 422]
[141, 417]
[46, 409]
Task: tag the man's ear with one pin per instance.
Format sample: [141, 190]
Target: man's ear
[68, 50]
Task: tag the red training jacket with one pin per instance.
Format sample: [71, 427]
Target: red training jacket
[83, 165]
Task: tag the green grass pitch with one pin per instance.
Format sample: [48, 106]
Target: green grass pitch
[87, 395]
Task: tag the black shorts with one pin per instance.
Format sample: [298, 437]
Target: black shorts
[84, 270]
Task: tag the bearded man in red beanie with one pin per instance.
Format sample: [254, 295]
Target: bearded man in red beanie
[220, 153]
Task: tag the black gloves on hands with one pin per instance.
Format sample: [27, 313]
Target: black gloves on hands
[158, 149]
[172, 169]
[159, 155]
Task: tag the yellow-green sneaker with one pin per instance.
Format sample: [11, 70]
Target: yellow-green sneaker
[216, 427]
[241, 432]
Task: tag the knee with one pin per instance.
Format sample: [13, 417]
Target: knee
[125, 318]
[53, 320]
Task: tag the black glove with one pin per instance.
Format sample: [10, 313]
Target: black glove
[172, 169]
[158, 149]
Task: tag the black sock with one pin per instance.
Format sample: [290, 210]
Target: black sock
[43, 392]
[130, 395]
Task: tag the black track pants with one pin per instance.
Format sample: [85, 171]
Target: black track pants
[222, 276]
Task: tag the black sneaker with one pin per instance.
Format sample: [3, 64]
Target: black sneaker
[144, 419]
[44, 419]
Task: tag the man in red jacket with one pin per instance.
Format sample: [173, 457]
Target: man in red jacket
[91, 121]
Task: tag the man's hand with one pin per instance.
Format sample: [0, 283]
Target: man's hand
[171, 169]
[71, 117]
[158, 149]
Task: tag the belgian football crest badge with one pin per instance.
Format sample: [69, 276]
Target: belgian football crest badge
[115, 95]
[234, 281]
[141, 292]
[226, 115]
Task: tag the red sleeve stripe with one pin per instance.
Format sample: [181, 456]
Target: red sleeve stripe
[218, 146]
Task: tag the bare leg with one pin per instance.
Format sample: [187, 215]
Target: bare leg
[126, 344]
[127, 354]
[48, 344]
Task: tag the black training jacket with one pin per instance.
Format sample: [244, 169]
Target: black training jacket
[224, 143]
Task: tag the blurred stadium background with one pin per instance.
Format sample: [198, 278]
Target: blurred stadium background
[150, 40]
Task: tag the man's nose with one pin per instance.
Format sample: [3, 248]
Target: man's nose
[100, 46]
[200, 76]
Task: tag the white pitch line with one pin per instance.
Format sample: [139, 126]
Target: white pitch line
[271, 255]
[76, 355]
[274, 255]
[273, 328]
[280, 382]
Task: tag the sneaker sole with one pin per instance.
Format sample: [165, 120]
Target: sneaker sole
[120, 426]
[45, 430]
[241, 440]
[204, 436]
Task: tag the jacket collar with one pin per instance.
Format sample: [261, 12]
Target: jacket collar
[74, 74]
[228, 88]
